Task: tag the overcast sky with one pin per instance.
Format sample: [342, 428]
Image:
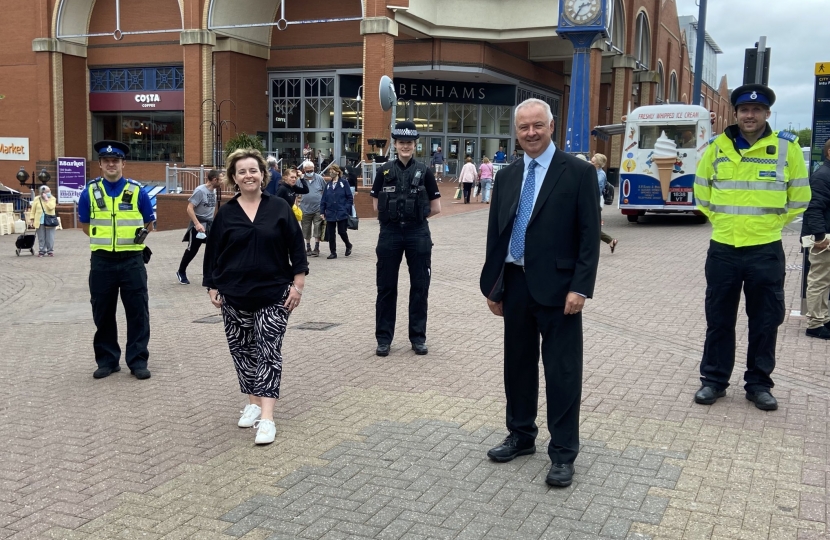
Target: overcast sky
[797, 32]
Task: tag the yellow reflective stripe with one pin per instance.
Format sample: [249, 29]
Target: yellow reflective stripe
[103, 222]
[699, 180]
[745, 210]
[129, 222]
[800, 182]
[100, 241]
[750, 185]
[124, 241]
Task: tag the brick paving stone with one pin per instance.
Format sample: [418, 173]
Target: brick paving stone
[174, 464]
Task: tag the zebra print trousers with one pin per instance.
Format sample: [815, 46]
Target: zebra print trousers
[255, 342]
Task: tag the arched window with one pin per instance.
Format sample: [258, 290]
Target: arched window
[616, 27]
[661, 83]
[673, 87]
[642, 42]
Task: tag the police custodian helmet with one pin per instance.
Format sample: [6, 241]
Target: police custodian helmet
[753, 93]
[405, 131]
[111, 149]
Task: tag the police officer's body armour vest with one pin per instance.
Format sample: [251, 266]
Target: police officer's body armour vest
[403, 197]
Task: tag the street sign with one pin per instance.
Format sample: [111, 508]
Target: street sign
[751, 66]
[821, 113]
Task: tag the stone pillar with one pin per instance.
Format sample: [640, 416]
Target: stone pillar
[378, 60]
[198, 86]
[621, 70]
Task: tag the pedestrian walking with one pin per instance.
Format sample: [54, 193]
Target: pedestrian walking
[467, 178]
[351, 173]
[599, 161]
[437, 161]
[485, 174]
[404, 195]
[540, 266]
[750, 183]
[310, 205]
[117, 215]
[291, 186]
[336, 207]
[44, 205]
[201, 207]
[254, 270]
[273, 174]
[817, 224]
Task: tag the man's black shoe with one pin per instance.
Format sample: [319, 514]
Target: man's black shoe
[821, 332]
[560, 475]
[382, 350]
[511, 448]
[763, 400]
[332, 256]
[348, 250]
[708, 395]
[102, 372]
[140, 373]
[420, 348]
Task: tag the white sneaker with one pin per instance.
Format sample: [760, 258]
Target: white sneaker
[250, 414]
[266, 432]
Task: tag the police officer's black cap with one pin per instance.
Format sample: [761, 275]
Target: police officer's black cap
[405, 131]
[753, 93]
[111, 149]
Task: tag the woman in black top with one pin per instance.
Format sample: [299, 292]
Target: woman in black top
[255, 267]
[291, 186]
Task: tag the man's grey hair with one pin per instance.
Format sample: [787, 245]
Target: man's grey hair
[272, 160]
[533, 101]
[306, 163]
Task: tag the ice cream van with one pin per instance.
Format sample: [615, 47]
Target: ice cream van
[661, 147]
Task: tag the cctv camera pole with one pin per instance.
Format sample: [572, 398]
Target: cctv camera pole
[759, 64]
[701, 42]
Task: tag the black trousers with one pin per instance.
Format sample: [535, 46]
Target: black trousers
[338, 227]
[759, 270]
[468, 187]
[525, 321]
[193, 245]
[108, 277]
[394, 242]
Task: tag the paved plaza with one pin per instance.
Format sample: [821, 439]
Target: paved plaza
[394, 447]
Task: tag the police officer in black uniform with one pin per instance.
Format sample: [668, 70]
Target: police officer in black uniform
[405, 195]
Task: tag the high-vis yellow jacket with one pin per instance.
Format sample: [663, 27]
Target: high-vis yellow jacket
[750, 195]
[112, 226]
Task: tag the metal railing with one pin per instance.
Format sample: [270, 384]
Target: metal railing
[369, 171]
[183, 179]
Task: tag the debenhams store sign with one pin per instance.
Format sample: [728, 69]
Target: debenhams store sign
[14, 149]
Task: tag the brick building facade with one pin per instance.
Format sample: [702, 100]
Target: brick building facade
[67, 80]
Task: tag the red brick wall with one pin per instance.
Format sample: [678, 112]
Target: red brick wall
[75, 106]
[244, 80]
[142, 49]
[171, 211]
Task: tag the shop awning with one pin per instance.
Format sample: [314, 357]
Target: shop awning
[6, 189]
[604, 133]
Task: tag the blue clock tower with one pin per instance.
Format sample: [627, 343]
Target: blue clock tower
[581, 22]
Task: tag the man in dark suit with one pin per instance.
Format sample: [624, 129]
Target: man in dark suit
[541, 265]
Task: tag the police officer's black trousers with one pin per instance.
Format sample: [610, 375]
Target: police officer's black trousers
[108, 276]
[395, 241]
[760, 271]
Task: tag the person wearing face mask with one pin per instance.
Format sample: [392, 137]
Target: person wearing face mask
[404, 195]
[256, 289]
[44, 204]
[336, 207]
[310, 205]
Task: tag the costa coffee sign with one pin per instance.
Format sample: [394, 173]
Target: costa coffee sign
[136, 101]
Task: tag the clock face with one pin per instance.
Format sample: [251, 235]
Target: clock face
[581, 11]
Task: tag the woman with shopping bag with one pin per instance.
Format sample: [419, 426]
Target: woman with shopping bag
[467, 178]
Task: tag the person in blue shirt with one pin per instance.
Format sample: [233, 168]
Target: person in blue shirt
[500, 156]
[120, 268]
[274, 175]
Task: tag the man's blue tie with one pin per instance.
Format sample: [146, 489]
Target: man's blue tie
[517, 240]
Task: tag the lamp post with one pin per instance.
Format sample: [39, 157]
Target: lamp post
[23, 177]
[359, 99]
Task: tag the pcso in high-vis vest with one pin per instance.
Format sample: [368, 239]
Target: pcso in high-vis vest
[405, 195]
[117, 216]
[750, 183]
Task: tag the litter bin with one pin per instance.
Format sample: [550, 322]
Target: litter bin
[613, 176]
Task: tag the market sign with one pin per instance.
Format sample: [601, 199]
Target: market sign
[136, 101]
[14, 148]
[71, 178]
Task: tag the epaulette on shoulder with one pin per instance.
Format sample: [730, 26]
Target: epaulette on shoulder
[713, 139]
[131, 181]
[788, 135]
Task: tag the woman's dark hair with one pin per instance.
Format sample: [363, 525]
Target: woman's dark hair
[245, 153]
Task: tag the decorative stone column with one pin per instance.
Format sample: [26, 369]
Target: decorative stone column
[198, 86]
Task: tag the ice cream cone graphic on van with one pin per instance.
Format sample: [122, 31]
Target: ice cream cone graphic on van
[665, 156]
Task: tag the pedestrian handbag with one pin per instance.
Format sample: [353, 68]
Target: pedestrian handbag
[352, 222]
[608, 194]
[478, 189]
[457, 194]
[49, 220]
[446, 168]
[297, 212]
